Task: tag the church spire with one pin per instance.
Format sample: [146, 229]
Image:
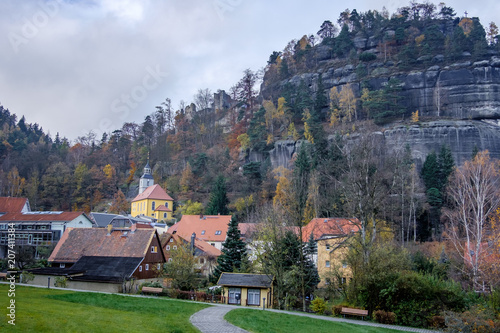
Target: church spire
[146, 178]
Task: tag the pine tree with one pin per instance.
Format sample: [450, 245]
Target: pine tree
[218, 198]
[234, 253]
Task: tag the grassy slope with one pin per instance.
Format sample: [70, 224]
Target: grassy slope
[43, 310]
[266, 321]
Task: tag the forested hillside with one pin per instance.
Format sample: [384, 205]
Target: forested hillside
[314, 138]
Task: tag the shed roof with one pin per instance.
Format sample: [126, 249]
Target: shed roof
[245, 280]
[105, 268]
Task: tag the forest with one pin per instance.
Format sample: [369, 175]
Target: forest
[202, 150]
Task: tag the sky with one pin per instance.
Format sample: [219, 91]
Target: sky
[81, 66]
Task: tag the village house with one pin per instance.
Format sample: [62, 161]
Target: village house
[104, 259]
[247, 289]
[331, 236]
[36, 229]
[204, 253]
[209, 228]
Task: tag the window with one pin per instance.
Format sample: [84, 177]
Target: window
[147, 267]
[158, 266]
[203, 232]
[171, 240]
[168, 247]
[344, 265]
[218, 232]
[344, 280]
[62, 265]
[253, 297]
[175, 247]
[153, 249]
[164, 215]
[166, 204]
[234, 296]
[327, 264]
[153, 204]
[327, 247]
[202, 260]
[213, 244]
[140, 268]
[169, 259]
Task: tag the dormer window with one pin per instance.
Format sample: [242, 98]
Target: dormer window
[203, 232]
[218, 232]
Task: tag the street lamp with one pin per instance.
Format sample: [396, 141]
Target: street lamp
[263, 303]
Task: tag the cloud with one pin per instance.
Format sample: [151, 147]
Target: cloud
[65, 63]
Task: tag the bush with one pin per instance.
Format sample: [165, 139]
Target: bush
[318, 305]
[477, 319]
[367, 56]
[337, 309]
[384, 317]
[61, 281]
[150, 284]
[27, 277]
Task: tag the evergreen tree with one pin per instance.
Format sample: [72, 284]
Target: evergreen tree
[218, 198]
[234, 253]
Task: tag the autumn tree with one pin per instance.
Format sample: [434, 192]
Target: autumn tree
[474, 194]
[181, 268]
[119, 205]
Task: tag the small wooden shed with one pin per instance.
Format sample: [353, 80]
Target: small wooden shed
[247, 289]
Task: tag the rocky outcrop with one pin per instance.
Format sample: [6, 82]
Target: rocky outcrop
[461, 136]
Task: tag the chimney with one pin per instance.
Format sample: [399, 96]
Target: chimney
[201, 216]
[110, 228]
[132, 228]
[193, 237]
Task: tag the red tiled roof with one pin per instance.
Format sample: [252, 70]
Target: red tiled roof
[162, 208]
[205, 227]
[42, 216]
[323, 227]
[12, 205]
[153, 192]
[78, 242]
[198, 243]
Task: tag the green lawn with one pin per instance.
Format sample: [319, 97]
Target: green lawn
[44, 310]
[267, 321]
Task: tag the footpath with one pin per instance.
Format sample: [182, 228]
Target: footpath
[211, 319]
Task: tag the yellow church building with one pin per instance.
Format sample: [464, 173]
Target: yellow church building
[152, 200]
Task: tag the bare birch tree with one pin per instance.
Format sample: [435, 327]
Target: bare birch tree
[474, 193]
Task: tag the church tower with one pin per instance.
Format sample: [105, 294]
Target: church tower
[146, 179]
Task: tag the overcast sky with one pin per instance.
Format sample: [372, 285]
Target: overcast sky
[79, 66]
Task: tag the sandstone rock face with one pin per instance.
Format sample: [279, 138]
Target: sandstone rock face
[462, 136]
[464, 97]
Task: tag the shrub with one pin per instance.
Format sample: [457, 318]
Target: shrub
[151, 284]
[477, 319]
[27, 277]
[384, 317]
[337, 309]
[318, 305]
[437, 322]
[61, 281]
[367, 56]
